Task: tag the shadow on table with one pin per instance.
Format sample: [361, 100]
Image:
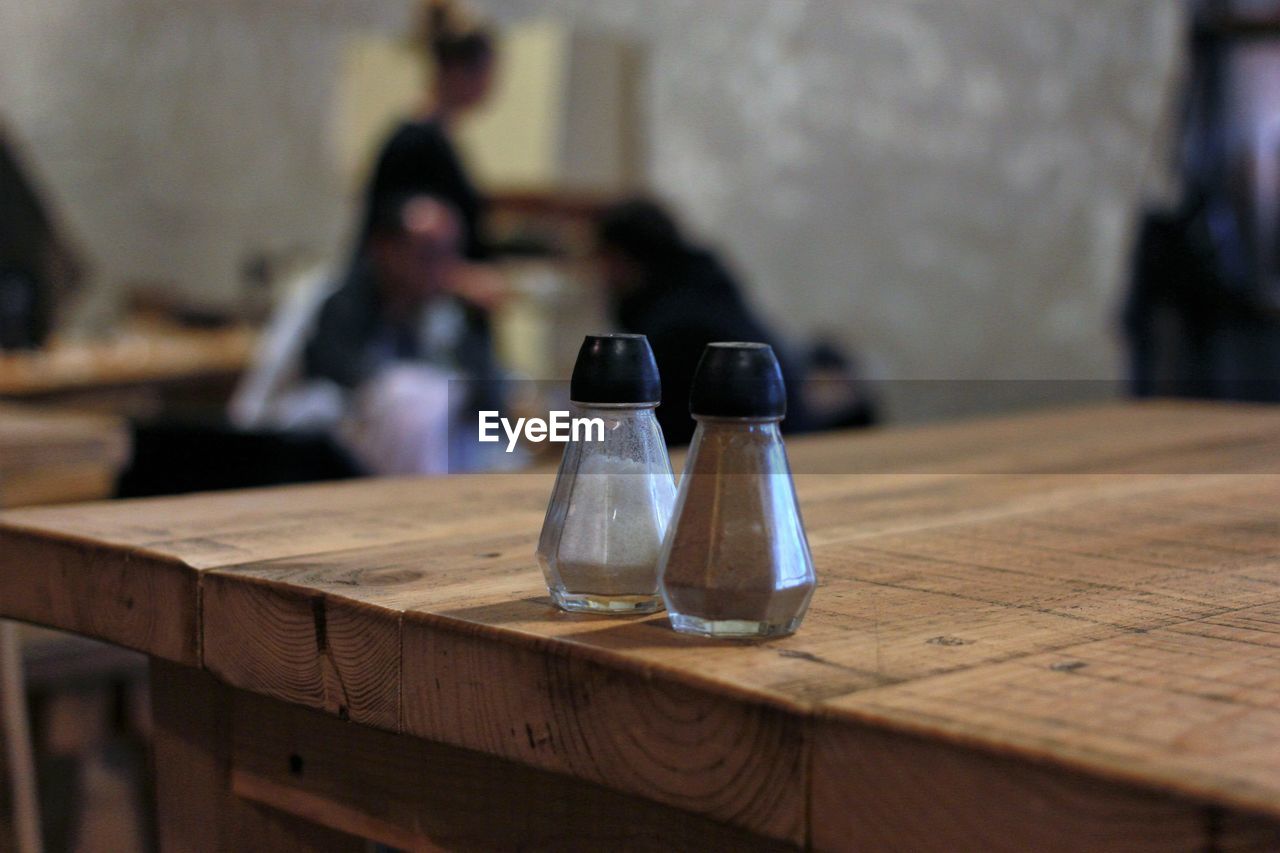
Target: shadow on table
[612, 632]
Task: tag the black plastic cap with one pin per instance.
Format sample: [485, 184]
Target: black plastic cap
[617, 370]
[738, 380]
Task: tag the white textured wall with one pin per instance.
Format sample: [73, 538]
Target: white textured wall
[179, 136]
[946, 183]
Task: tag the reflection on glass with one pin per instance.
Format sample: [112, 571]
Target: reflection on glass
[608, 515]
[737, 562]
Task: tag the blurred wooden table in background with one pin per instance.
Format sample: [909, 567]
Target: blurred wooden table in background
[49, 456]
[1049, 631]
[139, 372]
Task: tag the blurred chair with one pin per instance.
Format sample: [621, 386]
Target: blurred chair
[270, 395]
[18, 761]
[91, 730]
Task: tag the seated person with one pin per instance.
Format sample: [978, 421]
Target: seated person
[682, 298]
[405, 323]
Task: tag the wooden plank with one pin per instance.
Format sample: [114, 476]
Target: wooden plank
[262, 619]
[653, 735]
[260, 628]
[493, 580]
[1169, 709]
[241, 527]
[49, 456]
[128, 571]
[880, 790]
[324, 630]
[294, 645]
[1184, 699]
[196, 808]
[1158, 437]
[415, 794]
[135, 599]
[209, 531]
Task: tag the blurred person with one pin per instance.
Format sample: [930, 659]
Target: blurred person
[420, 155]
[395, 334]
[38, 267]
[1202, 312]
[682, 297]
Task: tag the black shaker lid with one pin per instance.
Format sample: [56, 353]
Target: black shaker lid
[738, 380]
[615, 369]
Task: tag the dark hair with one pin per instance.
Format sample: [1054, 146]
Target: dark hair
[453, 38]
[644, 231]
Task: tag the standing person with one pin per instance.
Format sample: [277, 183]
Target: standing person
[682, 298]
[420, 156]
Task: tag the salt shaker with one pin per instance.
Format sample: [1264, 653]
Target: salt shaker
[736, 562]
[613, 497]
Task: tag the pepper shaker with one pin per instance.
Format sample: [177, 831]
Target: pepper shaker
[736, 562]
[613, 497]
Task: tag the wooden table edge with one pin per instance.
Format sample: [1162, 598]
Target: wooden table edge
[173, 643]
[569, 648]
[1101, 768]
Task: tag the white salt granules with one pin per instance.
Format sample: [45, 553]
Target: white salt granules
[618, 514]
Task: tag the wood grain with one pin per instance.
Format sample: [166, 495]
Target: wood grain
[418, 795]
[879, 790]
[651, 735]
[295, 646]
[196, 808]
[977, 581]
[135, 599]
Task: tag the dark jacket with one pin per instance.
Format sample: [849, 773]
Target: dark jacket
[354, 339]
[419, 157]
[690, 303]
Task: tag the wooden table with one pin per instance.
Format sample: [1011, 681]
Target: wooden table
[137, 372]
[1050, 631]
[49, 456]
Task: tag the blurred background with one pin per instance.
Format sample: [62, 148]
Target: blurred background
[950, 190]
[291, 240]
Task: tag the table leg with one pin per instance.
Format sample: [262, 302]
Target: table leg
[196, 808]
[15, 733]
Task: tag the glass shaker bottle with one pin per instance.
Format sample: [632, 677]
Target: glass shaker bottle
[613, 497]
[736, 562]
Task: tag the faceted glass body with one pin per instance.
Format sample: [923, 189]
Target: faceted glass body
[736, 562]
[609, 514]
